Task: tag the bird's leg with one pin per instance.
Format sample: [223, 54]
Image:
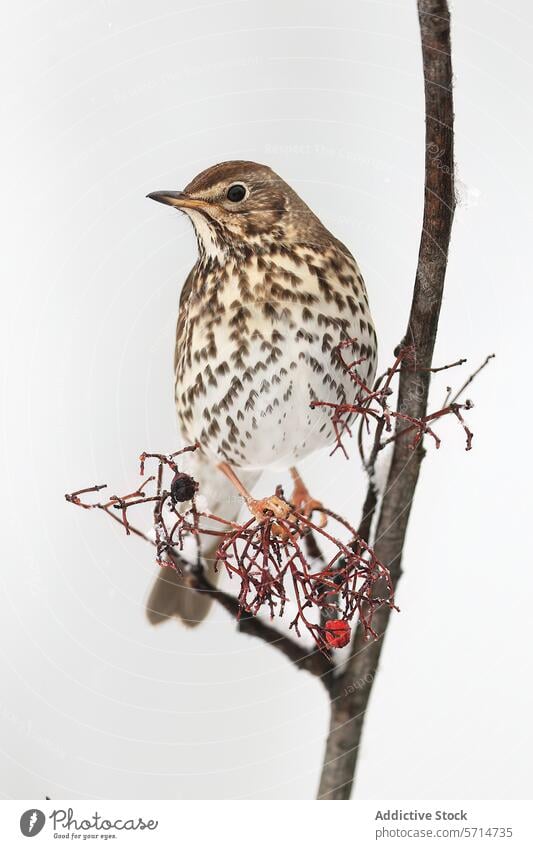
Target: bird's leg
[261, 508]
[302, 501]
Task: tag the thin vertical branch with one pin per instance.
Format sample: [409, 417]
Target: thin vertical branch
[353, 688]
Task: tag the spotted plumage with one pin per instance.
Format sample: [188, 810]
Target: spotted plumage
[270, 296]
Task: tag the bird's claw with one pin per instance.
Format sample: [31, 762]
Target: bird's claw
[304, 504]
[315, 505]
[273, 507]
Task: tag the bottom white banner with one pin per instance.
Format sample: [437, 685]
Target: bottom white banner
[263, 823]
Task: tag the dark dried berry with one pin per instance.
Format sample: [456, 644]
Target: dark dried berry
[183, 487]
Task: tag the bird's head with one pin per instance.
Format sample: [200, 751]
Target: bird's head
[241, 203]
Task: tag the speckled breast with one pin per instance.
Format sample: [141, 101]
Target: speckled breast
[255, 347]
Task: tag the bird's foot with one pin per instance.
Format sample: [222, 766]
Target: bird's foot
[275, 507]
[304, 504]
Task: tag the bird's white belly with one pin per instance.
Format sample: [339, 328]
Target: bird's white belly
[266, 421]
[292, 431]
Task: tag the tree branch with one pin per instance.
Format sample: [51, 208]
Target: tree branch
[351, 691]
[312, 660]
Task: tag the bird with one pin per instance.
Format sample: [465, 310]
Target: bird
[271, 295]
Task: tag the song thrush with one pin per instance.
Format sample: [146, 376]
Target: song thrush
[271, 294]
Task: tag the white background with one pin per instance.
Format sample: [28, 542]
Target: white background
[107, 101]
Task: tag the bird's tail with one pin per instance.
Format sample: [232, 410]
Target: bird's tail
[171, 595]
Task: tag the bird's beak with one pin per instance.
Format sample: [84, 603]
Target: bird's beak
[179, 199]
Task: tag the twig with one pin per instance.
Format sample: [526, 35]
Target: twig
[443, 368]
[469, 380]
[372, 405]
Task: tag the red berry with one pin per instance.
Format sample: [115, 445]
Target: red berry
[337, 633]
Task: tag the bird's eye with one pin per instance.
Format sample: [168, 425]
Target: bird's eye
[236, 192]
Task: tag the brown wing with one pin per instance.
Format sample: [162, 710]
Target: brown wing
[182, 314]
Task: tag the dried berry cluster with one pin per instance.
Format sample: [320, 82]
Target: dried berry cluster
[327, 592]
[169, 524]
[269, 558]
[372, 405]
